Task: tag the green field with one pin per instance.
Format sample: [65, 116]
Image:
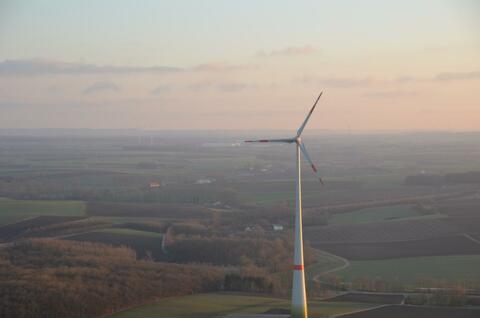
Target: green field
[219, 305]
[125, 231]
[453, 269]
[15, 210]
[374, 215]
[325, 262]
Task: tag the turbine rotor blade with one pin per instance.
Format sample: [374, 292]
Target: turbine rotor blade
[307, 156]
[300, 130]
[290, 140]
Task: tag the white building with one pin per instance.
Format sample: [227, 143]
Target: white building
[277, 227]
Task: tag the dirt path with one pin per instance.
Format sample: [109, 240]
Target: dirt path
[345, 264]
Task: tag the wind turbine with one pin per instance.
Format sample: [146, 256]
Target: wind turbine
[299, 297]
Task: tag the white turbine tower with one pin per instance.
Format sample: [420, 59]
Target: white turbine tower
[299, 297]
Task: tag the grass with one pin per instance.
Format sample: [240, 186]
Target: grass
[124, 231]
[219, 305]
[452, 269]
[325, 262]
[15, 210]
[374, 214]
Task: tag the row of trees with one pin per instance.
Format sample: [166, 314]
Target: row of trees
[53, 278]
[234, 251]
[65, 189]
[255, 284]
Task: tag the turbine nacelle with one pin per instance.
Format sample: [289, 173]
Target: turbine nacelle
[298, 140]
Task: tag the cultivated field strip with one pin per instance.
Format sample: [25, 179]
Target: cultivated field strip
[392, 231]
[454, 245]
[407, 311]
[368, 297]
[14, 230]
[159, 210]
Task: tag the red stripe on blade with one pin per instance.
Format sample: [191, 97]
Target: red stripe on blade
[298, 267]
[314, 168]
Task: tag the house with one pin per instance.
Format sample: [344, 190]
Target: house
[277, 227]
[154, 184]
[205, 181]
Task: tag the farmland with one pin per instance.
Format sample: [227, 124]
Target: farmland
[325, 262]
[374, 298]
[13, 230]
[447, 245]
[375, 215]
[138, 210]
[15, 210]
[396, 311]
[219, 305]
[399, 230]
[431, 270]
[228, 209]
[133, 232]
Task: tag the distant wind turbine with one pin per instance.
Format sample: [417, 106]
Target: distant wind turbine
[299, 297]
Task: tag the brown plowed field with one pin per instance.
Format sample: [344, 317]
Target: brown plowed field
[458, 245]
[403, 311]
[416, 229]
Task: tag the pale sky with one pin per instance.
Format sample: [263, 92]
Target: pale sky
[383, 65]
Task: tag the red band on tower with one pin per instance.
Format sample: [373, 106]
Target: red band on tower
[298, 267]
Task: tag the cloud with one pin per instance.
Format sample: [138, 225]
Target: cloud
[289, 51]
[440, 77]
[160, 89]
[336, 81]
[405, 79]
[44, 67]
[199, 86]
[231, 87]
[227, 87]
[98, 87]
[221, 67]
[457, 76]
[49, 67]
[392, 94]
[15, 104]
